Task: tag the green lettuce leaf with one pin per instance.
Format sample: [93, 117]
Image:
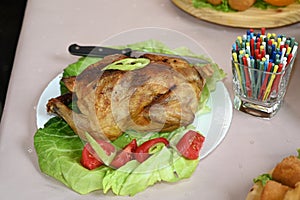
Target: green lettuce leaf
[59, 153]
[59, 148]
[224, 6]
[77, 67]
[166, 165]
[115, 179]
[263, 178]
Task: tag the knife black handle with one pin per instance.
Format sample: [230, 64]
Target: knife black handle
[96, 51]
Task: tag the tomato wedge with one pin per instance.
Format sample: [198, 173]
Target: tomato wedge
[88, 158]
[142, 151]
[190, 144]
[125, 155]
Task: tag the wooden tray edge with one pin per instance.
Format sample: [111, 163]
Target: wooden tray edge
[251, 18]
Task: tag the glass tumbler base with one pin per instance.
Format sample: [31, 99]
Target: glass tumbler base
[255, 108]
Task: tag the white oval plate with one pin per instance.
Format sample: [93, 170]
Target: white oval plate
[214, 125]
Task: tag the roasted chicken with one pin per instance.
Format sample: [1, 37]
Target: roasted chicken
[162, 96]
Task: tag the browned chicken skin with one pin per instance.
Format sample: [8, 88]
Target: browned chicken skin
[162, 96]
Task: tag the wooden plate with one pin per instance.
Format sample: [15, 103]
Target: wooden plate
[250, 18]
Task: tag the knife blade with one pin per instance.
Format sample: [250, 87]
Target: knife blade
[99, 51]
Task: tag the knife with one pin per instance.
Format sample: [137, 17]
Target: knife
[99, 51]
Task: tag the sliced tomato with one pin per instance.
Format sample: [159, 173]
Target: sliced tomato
[89, 158]
[142, 151]
[190, 144]
[125, 155]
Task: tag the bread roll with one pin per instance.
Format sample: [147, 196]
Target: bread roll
[241, 5]
[214, 2]
[280, 2]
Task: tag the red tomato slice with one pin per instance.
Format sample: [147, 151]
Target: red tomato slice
[89, 159]
[142, 151]
[190, 144]
[125, 155]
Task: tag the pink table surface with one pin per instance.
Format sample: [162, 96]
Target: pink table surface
[251, 147]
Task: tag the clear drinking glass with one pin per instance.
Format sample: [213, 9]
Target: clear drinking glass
[260, 92]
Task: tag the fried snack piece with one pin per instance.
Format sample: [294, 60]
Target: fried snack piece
[255, 192]
[273, 191]
[293, 194]
[214, 2]
[285, 183]
[287, 171]
[241, 5]
[280, 2]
